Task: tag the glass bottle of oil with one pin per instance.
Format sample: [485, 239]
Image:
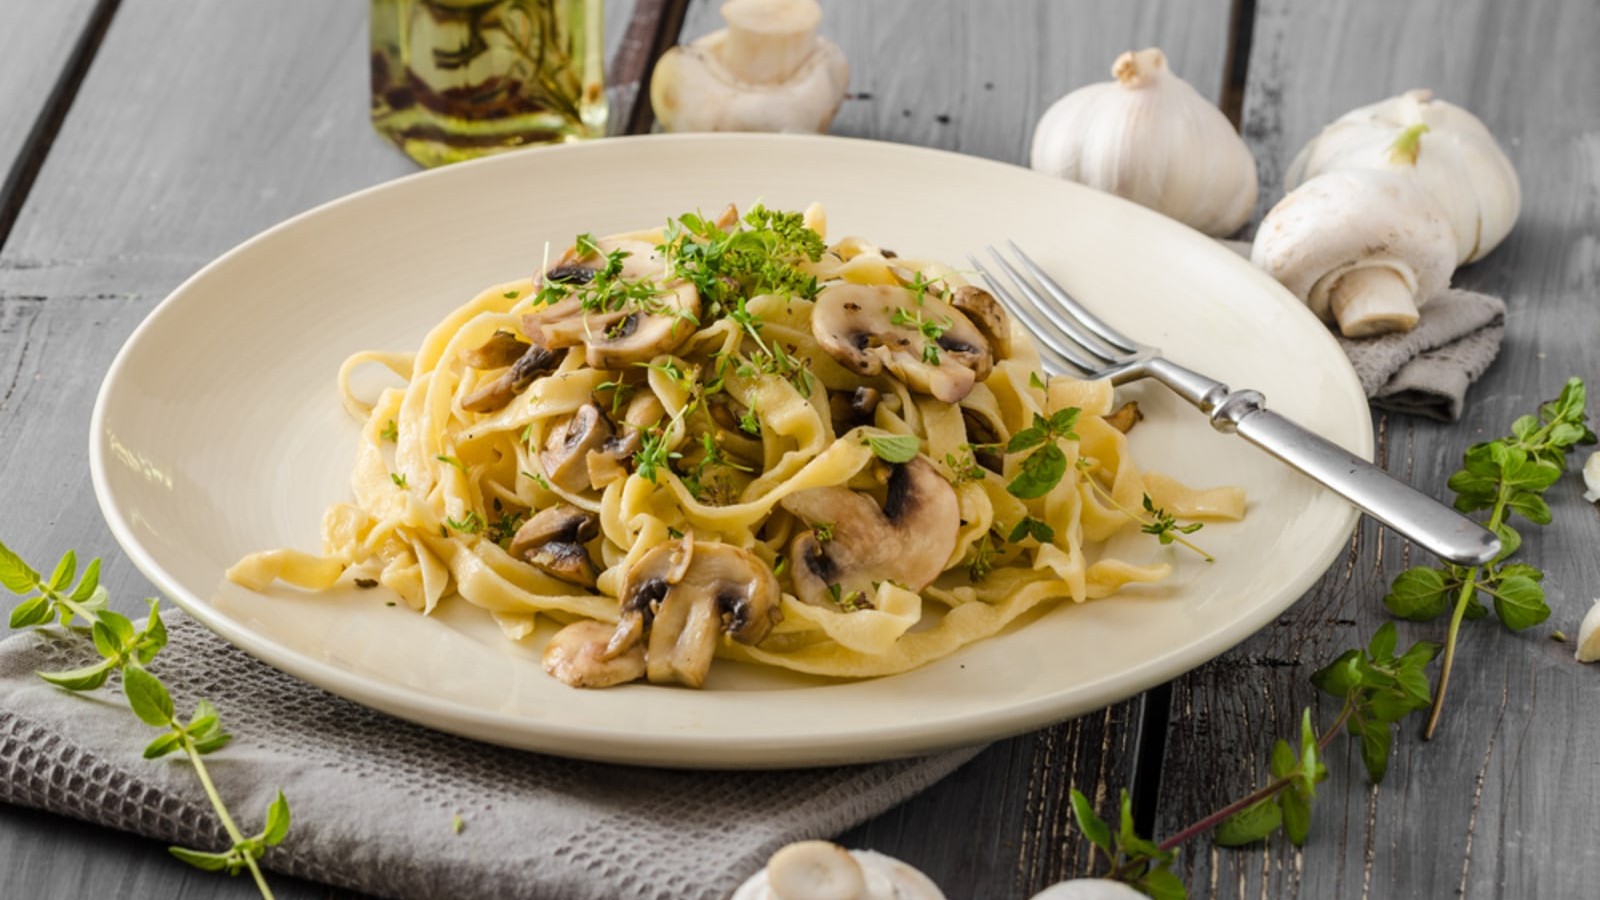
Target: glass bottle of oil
[456, 79]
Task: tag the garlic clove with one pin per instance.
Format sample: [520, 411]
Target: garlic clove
[1363, 248]
[1591, 477]
[1149, 137]
[821, 870]
[767, 71]
[1589, 635]
[1456, 161]
[1089, 889]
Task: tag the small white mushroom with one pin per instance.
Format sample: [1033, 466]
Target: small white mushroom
[1591, 477]
[1589, 635]
[1362, 247]
[767, 71]
[578, 655]
[819, 870]
[1089, 889]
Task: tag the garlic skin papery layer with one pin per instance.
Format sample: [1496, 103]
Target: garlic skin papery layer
[1149, 137]
[1455, 161]
[767, 71]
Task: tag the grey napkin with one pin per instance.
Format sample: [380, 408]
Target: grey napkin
[373, 798]
[1426, 371]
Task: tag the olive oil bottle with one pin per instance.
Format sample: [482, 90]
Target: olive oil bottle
[456, 79]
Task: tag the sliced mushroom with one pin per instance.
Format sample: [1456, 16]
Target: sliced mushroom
[986, 313]
[501, 349]
[684, 594]
[577, 656]
[566, 450]
[983, 433]
[552, 541]
[629, 333]
[500, 390]
[613, 461]
[906, 541]
[857, 325]
[1126, 416]
[854, 408]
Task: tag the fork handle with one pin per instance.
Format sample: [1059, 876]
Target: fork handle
[1436, 527]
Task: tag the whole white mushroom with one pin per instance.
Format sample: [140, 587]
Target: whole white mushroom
[768, 70]
[1364, 248]
[1089, 889]
[820, 870]
[1444, 148]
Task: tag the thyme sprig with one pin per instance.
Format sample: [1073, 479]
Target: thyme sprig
[128, 651]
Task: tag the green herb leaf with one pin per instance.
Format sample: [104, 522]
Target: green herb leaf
[15, 574]
[1519, 602]
[894, 448]
[211, 862]
[147, 696]
[1039, 473]
[89, 583]
[277, 827]
[1419, 594]
[33, 611]
[163, 745]
[1093, 827]
[85, 679]
[1296, 815]
[1251, 824]
[65, 569]
[1162, 884]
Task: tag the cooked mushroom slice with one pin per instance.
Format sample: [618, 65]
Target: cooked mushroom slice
[1126, 416]
[623, 332]
[983, 433]
[500, 390]
[907, 541]
[986, 313]
[501, 349]
[931, 346]
[854, 408]
[565, 452]
[577, 655]
[721, 589]
[611, 462]
[553, 540]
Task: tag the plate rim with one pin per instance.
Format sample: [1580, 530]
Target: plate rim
[555, 736]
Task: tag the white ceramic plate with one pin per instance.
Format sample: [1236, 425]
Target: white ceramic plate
[218, 432]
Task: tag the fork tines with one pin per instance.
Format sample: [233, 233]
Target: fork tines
[1072, 337]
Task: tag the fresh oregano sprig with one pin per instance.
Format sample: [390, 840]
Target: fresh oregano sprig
[1507, 477]
[127, 650]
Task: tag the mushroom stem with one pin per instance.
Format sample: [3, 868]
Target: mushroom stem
[1372, 300]
[768, 39]
[815, 870]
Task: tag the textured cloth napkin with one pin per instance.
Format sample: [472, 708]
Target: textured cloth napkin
[373, 799]
[1426, 371]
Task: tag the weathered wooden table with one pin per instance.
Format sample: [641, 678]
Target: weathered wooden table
[141, 138]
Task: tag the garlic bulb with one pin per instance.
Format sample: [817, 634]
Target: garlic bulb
[1446, 149]
[819, 870]
[1588, 649]
[1151, 138]
[767, 71]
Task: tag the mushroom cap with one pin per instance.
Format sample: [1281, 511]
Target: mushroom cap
[577, 655]
[907, 541]
[565, 454]
[821, 870]
[552, 541]
[617, 338]
[685, 594]
[856, 325]
[1351, 219]
[1458, 163]
[1088, 889]
[692, 89]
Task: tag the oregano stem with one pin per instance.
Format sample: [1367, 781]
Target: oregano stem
[234, 834]
[1273, 787]
[1468, 588]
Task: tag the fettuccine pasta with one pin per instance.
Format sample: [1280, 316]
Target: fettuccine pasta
[726, 438]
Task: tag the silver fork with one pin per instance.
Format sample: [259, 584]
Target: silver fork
[1075, 339]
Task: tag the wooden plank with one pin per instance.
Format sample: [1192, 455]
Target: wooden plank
[1498, 803]
[975, 77]
[38, 45]
[262, 115]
